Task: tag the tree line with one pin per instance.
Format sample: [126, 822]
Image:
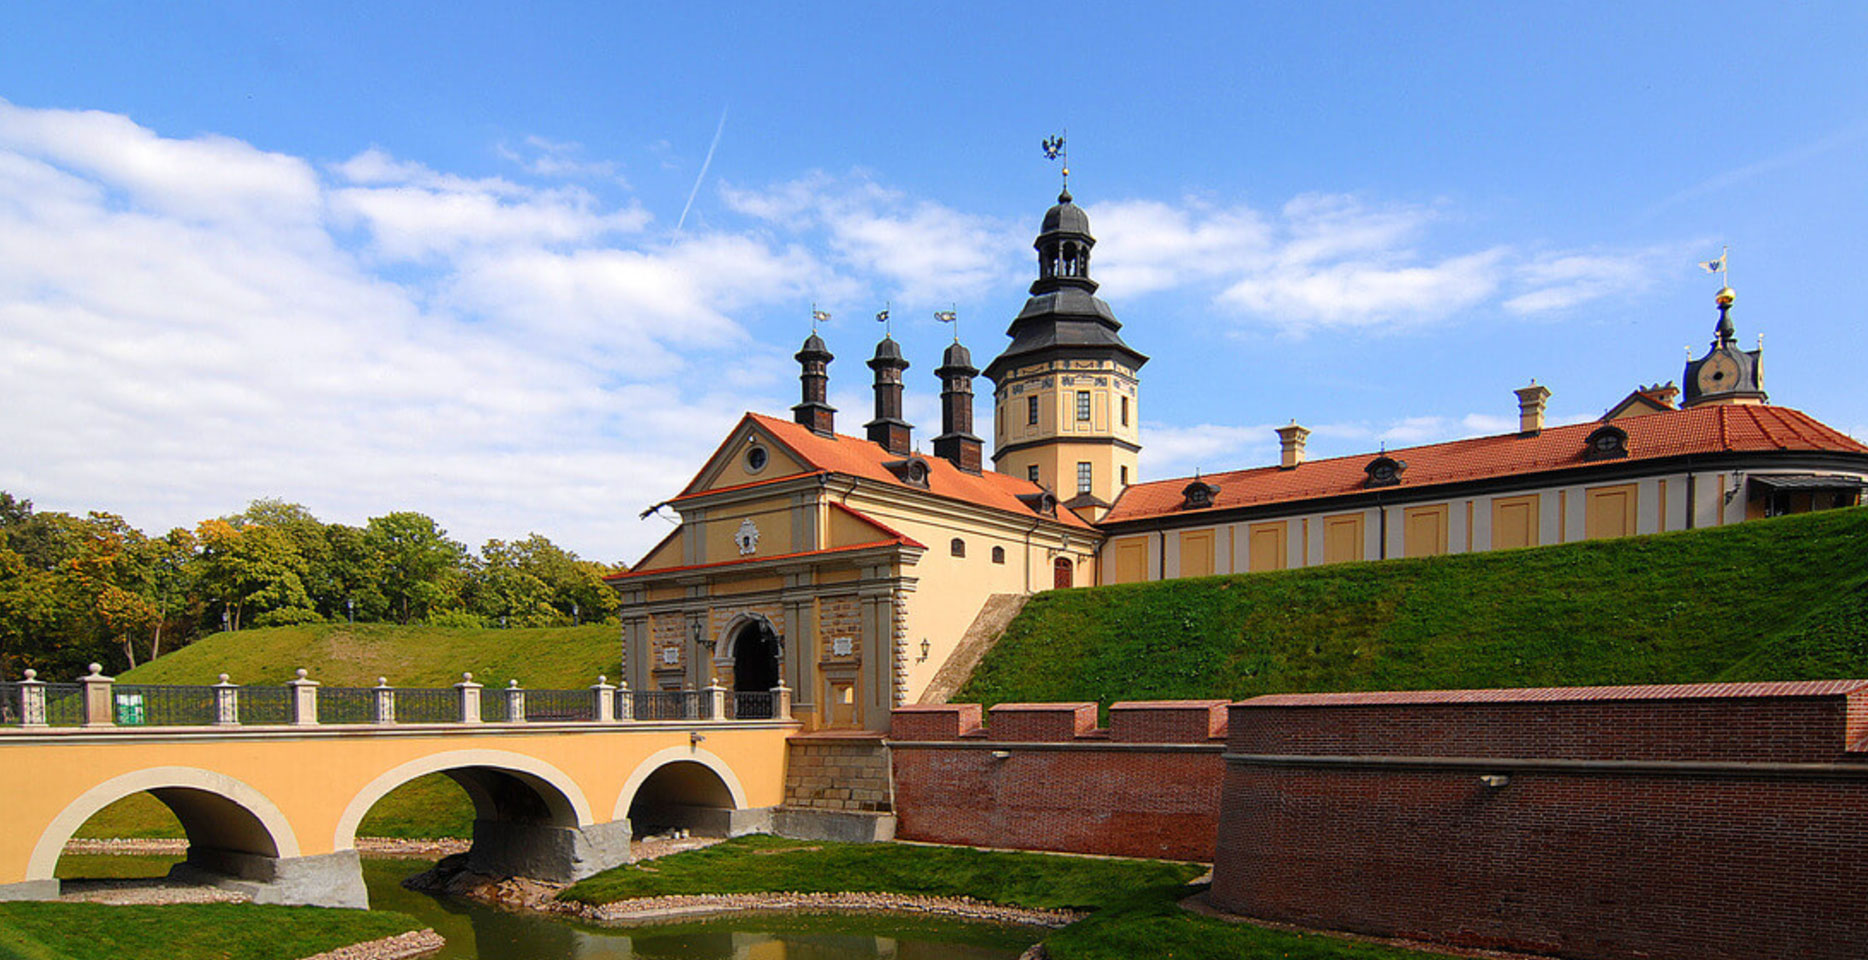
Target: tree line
[76, 590]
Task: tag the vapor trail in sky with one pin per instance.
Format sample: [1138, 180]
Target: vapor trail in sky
[715, 145]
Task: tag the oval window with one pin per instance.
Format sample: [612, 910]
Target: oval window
[755, 459]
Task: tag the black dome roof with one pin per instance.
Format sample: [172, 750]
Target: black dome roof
[1066, 217]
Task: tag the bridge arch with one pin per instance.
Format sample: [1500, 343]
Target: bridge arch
[216, 811]
[502, 785]
[681, 786]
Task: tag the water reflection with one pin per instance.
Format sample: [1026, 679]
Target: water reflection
[475, 932]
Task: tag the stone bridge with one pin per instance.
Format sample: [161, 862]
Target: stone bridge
[270, 796]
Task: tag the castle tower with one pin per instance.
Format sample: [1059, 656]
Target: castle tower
[956, 442]
[1726, 374]
[1065, 410]
[815, 411]
[888, 428]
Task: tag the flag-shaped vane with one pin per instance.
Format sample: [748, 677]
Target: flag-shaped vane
[817, 317]
[946, 316]
[882, 317]
[1713, 266]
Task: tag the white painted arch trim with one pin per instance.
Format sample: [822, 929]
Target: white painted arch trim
[662, 758]
[52, 840]
[345, 836]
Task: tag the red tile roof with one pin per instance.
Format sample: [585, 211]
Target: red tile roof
[1732, 428]
[1692, 691]
[857, 457]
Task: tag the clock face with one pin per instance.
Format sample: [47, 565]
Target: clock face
[1718, 374]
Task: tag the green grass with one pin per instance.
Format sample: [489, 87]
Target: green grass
[1135, 903]
[221, 931]
[1780, 599]
[354, 656]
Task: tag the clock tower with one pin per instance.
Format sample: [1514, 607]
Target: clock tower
[1065, 400]
[1725, 374]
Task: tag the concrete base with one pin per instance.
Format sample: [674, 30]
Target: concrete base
[543, 852]
[29, 890]
[717, 821]
[804, 823]
[325, 880]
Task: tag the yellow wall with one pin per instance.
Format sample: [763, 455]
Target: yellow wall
[1343, 538]
[734, 472]
[1515, 522]
[1425, 530]
[1056, 384]
[1131, 564]
[772, 516]
[1196, 553]
[1609, 511]
[1270, 546]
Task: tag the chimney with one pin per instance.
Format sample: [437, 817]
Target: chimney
[888, 428]
[1531, 402]
[1291, 446]
[815, 412]
[956, 442]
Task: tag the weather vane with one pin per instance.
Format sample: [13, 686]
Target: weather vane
[950, 316]
[1718, 266]
[1054, 150]
[883, 318]
[818, 315]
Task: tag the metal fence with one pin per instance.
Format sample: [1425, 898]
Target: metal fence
[428, 706]
[12, 714]
[64, 704]
[560, 705]
[665, 704]
[493, 704]
[267, 705]
[749, 705]
[137, 705]
[346, 705]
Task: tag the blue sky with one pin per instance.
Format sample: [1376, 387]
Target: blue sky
[376, 257]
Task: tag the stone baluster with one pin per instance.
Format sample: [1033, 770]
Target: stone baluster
[385, 701]
[304, 699]
[515, 702]
[226, 703]
[469, 699]
[714, 703]
[32, 700]
[99, 708]
[606, 699]
[625, 702]
[781, 701]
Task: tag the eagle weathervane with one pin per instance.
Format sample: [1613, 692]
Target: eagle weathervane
[1054, 150]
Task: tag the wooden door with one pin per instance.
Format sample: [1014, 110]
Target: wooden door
[1063, 574]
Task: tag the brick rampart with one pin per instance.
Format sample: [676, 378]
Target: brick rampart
[1045, 777]
[1721, 822]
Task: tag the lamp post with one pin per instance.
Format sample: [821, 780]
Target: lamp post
[350, 608]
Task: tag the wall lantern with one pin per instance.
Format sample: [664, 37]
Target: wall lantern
[925, 648]
[1495, 780]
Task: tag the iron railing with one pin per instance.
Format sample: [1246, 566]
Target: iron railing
[261, 706]
[12, 713]
[493, 704]
[346, 705]
[750, 705]
[560, 705]
[64, 704]
[665, 704]
[428, 706]
[153, 705]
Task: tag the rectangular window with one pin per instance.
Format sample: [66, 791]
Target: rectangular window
[1083, 405]
[1342, 538]
[1423, 531]
[1031, 411]
[1125, 476]
[1083, 478]
[1125, 411]
[1031, 473]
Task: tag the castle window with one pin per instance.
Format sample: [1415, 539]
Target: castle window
[998, 555]
[1384, 471]
[755, 459]
[1031, 410]
[1031, 473]
[1198, 495]
[1083, 405]
[1083, 478]
[1606, 443]
[1125, 411]
[957, 547]
[1125, 476]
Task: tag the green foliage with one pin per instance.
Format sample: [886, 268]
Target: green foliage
[1779, 599]
[427, 808]
[223, 931]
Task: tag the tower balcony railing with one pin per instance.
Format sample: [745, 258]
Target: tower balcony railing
[98, 701]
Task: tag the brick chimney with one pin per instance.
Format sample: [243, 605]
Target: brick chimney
[956, 442]
[815, 412]
[1531, 401]
[1291, 445]
[888, 428]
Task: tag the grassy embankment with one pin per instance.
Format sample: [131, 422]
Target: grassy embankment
[226, 931]
[1134, 903]
[1781, 599]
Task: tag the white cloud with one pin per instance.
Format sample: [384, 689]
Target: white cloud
[1211, 448]
[544, 157]
[1364, 294]
[1563, 280]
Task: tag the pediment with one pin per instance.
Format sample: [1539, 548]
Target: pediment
[749, 454]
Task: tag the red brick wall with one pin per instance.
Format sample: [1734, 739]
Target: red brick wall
[1627, 847]
[1061, 784]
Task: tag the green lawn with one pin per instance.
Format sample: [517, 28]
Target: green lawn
[1780, 599]
[222, 931]
[1134, 903]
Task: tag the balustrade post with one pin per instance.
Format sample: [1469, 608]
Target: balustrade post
[515, 702]
[781, 701]
[304, 699]
[385, 701]
[226, 703]
[100, 710]
[469, 699]
[32, 700]
[625, 702]
[715, 701]
[606, 701]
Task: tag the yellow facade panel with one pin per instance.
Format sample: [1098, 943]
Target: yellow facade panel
[1196, 553]
[1342, 538]
[1609, 511]
[1424, 531]
[1267, 546]
[1131, 560]
[1514, 522]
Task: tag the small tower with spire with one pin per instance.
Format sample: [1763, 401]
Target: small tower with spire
[1726, 374]
[815, 411]
[956, 442]
[888, 428]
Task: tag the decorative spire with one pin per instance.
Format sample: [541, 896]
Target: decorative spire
[888, 428]
[1054, 150]
[956, 443]
[815, 411]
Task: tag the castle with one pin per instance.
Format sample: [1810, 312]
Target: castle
[849, 568]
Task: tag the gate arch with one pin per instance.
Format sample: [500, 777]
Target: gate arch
[215, 810]
[736, 792]
[486, 776]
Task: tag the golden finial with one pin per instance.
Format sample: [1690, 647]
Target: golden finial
[1725, 297]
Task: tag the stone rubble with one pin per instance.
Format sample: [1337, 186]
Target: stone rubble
[402, 946]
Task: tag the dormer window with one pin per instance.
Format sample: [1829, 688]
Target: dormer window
[1198, 495]
[1043, 503]
[912, 471]
[1606, 443]
[1384, 471]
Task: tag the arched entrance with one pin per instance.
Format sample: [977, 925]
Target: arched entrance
[685, 788]
[1063, 573]
[755, 651]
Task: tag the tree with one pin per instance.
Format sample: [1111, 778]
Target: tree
[421, 566]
